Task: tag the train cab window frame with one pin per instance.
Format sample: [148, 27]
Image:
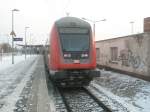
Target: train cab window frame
[77, 35]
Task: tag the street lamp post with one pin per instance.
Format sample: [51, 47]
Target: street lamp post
[94, 22]
[25, 41]
[132, 30]
[13, 34]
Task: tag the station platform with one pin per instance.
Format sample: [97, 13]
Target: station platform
[39, 99]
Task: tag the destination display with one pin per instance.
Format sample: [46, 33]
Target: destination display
[73, 30]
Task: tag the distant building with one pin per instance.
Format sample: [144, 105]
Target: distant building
[5, 48]
[129, 53]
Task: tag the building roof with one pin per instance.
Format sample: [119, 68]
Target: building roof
[134, 35]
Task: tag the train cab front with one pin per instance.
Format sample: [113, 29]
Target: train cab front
[77, 59]
[77, 53]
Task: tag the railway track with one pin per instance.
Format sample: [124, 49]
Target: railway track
[74, 99]
[114, 105]
[78, 100]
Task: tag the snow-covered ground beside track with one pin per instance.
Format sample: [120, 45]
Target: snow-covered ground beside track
[13, 79]
[131, 92]
[6, 61]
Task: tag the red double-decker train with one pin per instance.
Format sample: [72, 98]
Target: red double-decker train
[72, 53]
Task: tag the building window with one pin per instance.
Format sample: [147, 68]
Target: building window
[114, 53]
[97, 53]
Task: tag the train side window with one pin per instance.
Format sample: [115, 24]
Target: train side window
[114, 53]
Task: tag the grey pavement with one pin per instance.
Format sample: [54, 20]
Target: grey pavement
[39, 98]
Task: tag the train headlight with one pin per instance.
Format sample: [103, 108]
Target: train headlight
[67, 55]
[84, 55]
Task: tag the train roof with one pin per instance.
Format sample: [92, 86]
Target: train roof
[72, 22]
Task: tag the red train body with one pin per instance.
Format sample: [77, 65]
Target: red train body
[72, 59]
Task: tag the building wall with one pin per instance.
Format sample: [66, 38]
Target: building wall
[129, 53]
[148, 57]
[147, 24]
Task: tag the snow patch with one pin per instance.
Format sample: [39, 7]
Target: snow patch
[8, 103]
[132, 92]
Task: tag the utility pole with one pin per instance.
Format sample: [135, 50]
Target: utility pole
[132, 27]
[25, 41]
[94, 24]
[13, 34]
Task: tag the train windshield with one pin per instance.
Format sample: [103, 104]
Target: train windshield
[76, 40]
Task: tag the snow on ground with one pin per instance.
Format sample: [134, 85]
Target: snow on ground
[131, 92]
[13, 79]
[6, 61]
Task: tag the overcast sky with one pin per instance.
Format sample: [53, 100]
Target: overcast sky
[39, 15]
